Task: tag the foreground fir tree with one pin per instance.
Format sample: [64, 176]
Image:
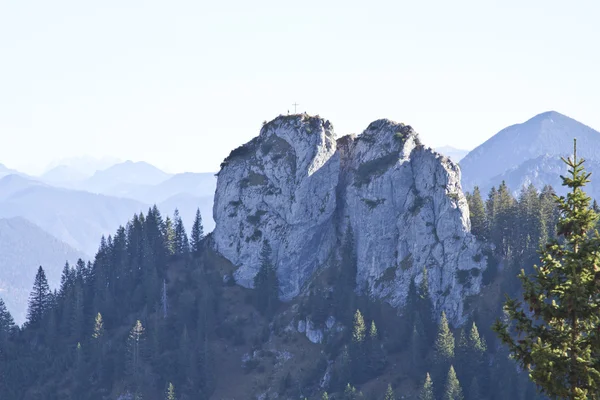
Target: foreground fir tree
[556, 336]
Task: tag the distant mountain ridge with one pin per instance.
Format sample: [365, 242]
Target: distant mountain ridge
[24, 246]
[529, 153]
[75, 217]
[4, 171]
[128, 173]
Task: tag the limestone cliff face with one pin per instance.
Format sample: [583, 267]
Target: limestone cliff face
[297, 187]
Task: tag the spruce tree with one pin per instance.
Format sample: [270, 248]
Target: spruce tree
[98, 327]
[7, 323]
[476, 342]
[66, 280]
[426, 392]
[373, 331]
[135, 346]
[170, 395]
[359, 330]
[266, 283]
[556, 336]
[197, 233]
[444, 344]
[452, 391]
[182, 245]
[39, 299]
[477, 214]
[169, 234]
[325, 396]
[389, 393]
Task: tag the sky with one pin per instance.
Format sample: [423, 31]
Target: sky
[180, 84]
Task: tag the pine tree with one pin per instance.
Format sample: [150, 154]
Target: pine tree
[427, 389]
[66, 280]
[39, 299]
[452, 391]
[197, 233]
[389, 393]
[476, 342]
[266, 283]
[373, 331]
[479, 224]
[170, 395]
[169, 234]
[182, 245]
[558, 341]
[350, 393]
[135, 344]
[7, 323]
[444, 344]
[325, 396]
[359, 330]
[98, 327]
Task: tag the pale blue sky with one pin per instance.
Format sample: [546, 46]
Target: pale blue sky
[181, 83]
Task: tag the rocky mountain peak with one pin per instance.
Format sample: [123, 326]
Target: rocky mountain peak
[298, 187]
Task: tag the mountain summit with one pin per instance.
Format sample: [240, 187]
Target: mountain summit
[306, 193]
[547, 134]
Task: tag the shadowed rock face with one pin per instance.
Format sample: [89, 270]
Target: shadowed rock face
[298, 187]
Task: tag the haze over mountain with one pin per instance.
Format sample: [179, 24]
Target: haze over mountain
[120, 177]
[85, 165]
[23, 248]
[530, 153]
[75, 217]
[4, 171]
[63, 176]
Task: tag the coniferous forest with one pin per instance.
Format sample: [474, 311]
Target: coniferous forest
[155, 313]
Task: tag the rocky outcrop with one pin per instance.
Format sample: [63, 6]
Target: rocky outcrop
[298, 187]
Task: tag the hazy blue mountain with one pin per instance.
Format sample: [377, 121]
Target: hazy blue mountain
[11, 184]
[187, 205]
[64, 176]
[23, 248]
[85, 165]
[4, 171]
[196, 184]
[185, 191]
[452, 152]
[547, 134]
[116, 179]
[77, 218]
